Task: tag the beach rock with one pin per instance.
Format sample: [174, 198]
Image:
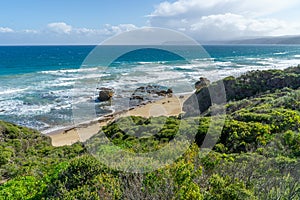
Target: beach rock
[105, 94]
[137, 97]
[169, 91]
[153, 89]
[148, 93]
[203, 82]
[161, 93]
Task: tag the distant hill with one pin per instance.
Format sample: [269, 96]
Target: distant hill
[262, 40]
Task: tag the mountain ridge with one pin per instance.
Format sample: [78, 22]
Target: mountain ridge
[272, 40]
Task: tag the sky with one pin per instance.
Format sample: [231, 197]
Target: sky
[93, 21]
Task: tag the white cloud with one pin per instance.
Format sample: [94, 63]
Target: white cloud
[204, 7]
[6, 30]
[86, 31]
[29, 31]
[62, 33]
[60, 27]
[112, 30]
[224, 19]
[227, 26]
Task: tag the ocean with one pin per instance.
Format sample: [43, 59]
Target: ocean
[50, 87]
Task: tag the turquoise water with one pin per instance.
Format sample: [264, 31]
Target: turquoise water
[42, 86]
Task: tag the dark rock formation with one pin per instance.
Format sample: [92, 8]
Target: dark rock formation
[250, 84]
[154, 89]
[105, 94]
[147, 93]
[137, 97]
[203, 82]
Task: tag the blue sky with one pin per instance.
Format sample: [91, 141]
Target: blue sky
[35, 14]
[92, 21]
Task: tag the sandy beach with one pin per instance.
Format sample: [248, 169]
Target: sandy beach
[168, 106]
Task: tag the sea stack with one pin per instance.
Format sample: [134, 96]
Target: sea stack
[105, 94]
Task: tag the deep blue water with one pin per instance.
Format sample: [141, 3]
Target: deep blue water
[46, 87]
[29, 59]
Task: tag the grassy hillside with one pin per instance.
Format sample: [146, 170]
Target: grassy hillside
[257, 155]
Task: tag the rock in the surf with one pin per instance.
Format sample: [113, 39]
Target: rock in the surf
[105, 94]
[148, 93]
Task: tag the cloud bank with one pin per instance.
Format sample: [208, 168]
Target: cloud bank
[61, 33]
[6, 30]
[225, 19]
[60, 28]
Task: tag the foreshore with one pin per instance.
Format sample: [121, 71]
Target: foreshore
[168, 106]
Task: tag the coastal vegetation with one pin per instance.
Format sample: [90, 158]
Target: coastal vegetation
[257, 154]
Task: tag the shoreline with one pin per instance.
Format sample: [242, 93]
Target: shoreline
[167, 106]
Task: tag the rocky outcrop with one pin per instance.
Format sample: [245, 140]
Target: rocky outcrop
[203, 82]
[248, 85]
[105, 94]
[148, 93]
